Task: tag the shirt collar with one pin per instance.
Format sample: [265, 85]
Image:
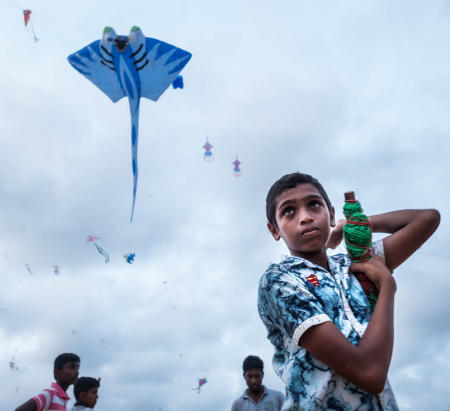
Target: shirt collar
[336, 262]
[60, 392]
[245, 395]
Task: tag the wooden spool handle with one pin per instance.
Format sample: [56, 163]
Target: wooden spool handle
[349, 196]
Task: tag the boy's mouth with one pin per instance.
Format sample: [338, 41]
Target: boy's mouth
[309, 231]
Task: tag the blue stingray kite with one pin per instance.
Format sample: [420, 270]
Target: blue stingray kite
[134, 66]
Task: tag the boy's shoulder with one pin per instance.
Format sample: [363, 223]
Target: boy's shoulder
[51, 396]
[295, 265]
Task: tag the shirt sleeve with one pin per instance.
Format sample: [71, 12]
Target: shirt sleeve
[285, 303]
[281, 399]
[235, 406]
[43, 400]
[378, 249]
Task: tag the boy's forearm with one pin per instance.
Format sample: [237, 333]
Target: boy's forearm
[30, 405]
[409, 229]
[377, 342]
[396, 220]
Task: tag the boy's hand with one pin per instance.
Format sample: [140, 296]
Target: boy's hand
[337, 234]
[375, 270]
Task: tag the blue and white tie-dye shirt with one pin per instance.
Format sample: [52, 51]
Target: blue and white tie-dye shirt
[297, 294]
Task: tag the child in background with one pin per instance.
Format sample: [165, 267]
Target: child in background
[331, 350]
[55, 398]
[86, 393]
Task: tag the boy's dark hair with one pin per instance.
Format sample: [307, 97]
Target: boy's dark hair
[84, 384]
[252, 362]
[61, 359]
[287, 182]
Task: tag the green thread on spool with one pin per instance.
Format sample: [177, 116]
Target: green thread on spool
[357, 232]
[358, 239]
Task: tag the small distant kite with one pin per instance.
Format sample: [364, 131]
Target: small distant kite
[129, 257]
[28, 268]
[93, 239]
[208, 155]
[132, 66]
[29, 24]
[56, 269]
[237, 169]
[12, 365]
[201, 383]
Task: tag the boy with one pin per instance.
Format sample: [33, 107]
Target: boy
[65, 371]
[257, 397]
[330, 349]
[86, 393]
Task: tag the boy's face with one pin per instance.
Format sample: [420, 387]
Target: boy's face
[253, 378]
[303, 220]
[68, 374]
[89, 398]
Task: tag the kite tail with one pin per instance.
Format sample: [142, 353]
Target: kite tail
[34, 34]
[134, 110]
[102, 252]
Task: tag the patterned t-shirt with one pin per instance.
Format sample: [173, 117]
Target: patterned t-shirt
[297, 294]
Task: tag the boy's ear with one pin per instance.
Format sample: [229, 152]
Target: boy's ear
[332, 219]
[274, 231]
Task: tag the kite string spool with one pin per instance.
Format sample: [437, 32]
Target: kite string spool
[357, 230]
[358, 239]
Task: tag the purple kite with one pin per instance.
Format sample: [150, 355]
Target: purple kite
[236, 170]
[208, 155]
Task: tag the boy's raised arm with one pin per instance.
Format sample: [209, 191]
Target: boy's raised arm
[30, 405]
[366, 364]
[409, 229]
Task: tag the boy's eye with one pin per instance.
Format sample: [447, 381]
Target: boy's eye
[288, 210]
[315, 203]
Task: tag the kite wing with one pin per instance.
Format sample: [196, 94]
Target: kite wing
[144, 68]
[26, 16]
[88, 62]
[164, 65]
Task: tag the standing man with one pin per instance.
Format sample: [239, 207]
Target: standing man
[257, 397]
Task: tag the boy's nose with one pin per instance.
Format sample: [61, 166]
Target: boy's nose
[304, 218]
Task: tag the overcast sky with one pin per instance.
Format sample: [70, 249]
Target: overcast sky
[354, 93]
